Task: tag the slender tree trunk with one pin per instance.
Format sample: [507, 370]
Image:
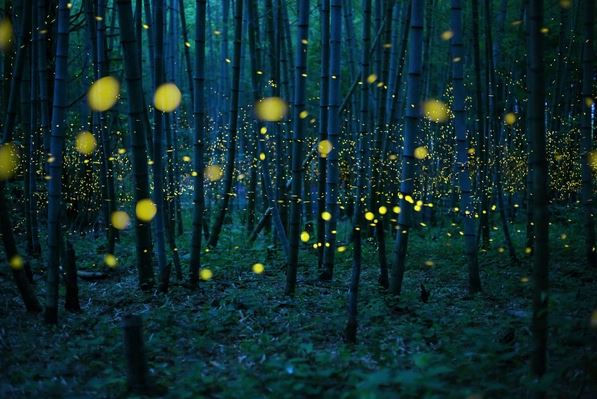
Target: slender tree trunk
[231, 155]
[271, 204]
[587, 135]
[482, 180]
[350, 331]
[17, 72]
[12, 254]
[55, 167]
[102, 70]
[540, 176]
[323, 123]
[300, 77]
[132, 72]
[333, 186]
[198, 140]
[462, 146]
[411, 133]
[158, 140]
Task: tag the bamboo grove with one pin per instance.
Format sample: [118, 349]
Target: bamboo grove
[319, 127]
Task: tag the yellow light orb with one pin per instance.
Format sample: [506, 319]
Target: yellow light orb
[103, 94]
[305, 236]
[324, 148]
[205, 274]
[85, 143]
[16, 262]
[369, 216]
[271, 109]
[325, 215]
[421, 152]
[447, 35]
[167, 97]
[382, 210]
[9, 160]
[258, 268]
[396, 209]
[341, 248]
[120, 220]
[371, 78]
[5, 34]
[262, 156]
[591, 159]
[111, 261]
[510, 118]
[145, 210]
[435, 110]
[213, 172]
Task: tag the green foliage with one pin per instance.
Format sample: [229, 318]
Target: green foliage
[238, 336]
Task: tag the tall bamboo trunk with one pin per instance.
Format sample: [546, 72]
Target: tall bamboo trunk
[323, 123]
[586, 134]
[462, 146]
[198, 140]
[536, 86]
[55, 167]
[137, 113]
[231, 154]
[411, 134]
[300, 77]
[332, 184]
[350, 331]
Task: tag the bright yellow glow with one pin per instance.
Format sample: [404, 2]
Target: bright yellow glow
[186, 158]
[16, 262]
[205, 274]
[85, 143]
[5, 34]
[167, 97]
[110, 261]
[409, 199]
[371, 78]
[258, 268]
[146, 210]
[447, 35]
[120, 220]
[9, 160]
[262, 156]
[103, 94]
[591, 159]
[510, 118]
[213, 172]
[435, 111]
[271, 109]
[396, 209]
[303, 114]
[369, 216]
[325, 215]
[324, 148]
[305, 236]
[383, 210]
[421, 152]
[341, 248]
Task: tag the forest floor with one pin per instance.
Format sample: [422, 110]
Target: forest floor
[238, 336]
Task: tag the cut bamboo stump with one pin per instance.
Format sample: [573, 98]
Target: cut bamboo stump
[134, 351]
